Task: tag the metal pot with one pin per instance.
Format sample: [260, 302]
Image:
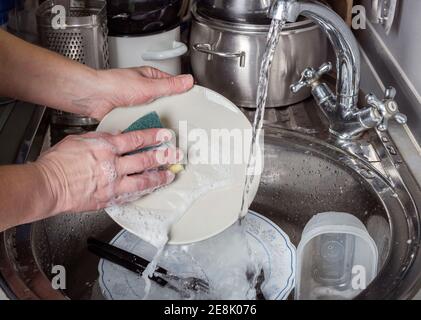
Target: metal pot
[243, 11]
[226, 57]
[142, 17]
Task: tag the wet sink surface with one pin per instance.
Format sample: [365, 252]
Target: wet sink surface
[302, 177]
[297, 183]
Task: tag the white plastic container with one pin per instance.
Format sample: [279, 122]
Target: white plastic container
[336, 258]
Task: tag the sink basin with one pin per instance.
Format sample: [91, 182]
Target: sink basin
[303, 176]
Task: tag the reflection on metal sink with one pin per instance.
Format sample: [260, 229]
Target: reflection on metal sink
[303, 176]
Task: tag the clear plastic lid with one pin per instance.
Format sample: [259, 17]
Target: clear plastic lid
[336, 258]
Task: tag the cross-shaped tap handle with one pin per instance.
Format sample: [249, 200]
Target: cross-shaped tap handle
[386, 108]
[310, 75]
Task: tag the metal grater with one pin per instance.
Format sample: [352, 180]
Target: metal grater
[84, 39]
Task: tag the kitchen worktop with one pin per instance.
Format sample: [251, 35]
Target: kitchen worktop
[19, 126]
[19, 123]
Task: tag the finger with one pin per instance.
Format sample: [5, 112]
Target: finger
[153, 73]
[95, 134]
[156, 88]
[148, 160]
[144, 183]
[135, 140]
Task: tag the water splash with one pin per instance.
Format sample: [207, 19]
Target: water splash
[149, 271]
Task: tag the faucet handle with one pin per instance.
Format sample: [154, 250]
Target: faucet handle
[387, 108]
[309, 76]
[324, 68]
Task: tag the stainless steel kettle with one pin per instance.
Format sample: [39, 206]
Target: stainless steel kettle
[226, 57]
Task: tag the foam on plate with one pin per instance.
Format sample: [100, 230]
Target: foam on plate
[154, 225]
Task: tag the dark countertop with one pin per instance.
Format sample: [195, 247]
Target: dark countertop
[19, 124]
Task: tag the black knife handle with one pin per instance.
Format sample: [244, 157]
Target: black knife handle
[124, 259]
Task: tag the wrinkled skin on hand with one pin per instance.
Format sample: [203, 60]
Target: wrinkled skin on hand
[130, 87]
[93, 171]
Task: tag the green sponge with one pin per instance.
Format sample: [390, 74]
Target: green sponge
[151, 121]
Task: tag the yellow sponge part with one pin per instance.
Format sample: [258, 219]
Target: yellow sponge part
[176, 168]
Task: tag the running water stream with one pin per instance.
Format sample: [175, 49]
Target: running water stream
[262, 94]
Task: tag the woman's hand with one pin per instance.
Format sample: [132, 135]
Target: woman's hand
[129, 87]
[40, 76]
[92, 171]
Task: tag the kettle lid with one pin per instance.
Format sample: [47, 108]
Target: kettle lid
[237, 11]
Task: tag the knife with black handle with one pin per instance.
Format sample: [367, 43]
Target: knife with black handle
[124, 259]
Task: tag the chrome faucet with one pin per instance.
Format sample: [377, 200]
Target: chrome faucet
[347, 120]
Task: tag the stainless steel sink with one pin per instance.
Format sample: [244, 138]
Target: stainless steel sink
[303, 176]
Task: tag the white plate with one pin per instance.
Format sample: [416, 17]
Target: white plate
[209, 195]
[270, 244]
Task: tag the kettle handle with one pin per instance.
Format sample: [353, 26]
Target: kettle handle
[207, 48]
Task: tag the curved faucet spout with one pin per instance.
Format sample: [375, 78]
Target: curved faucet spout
[342, 39]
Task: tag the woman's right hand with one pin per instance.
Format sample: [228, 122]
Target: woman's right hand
[93, 171]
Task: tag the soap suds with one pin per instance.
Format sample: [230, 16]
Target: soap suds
[109, 170]
[154, 225]
[225, 262]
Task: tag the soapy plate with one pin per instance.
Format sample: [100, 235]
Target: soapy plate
[266, 239]
[205, 199]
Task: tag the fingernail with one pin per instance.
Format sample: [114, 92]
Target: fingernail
[187, 80]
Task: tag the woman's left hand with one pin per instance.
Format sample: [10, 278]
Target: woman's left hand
[43, 77]
[133, 86]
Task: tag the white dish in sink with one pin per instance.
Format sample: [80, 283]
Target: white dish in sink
[207, 196]
[209, 260]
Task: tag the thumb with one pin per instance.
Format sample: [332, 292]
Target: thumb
[170, 86]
